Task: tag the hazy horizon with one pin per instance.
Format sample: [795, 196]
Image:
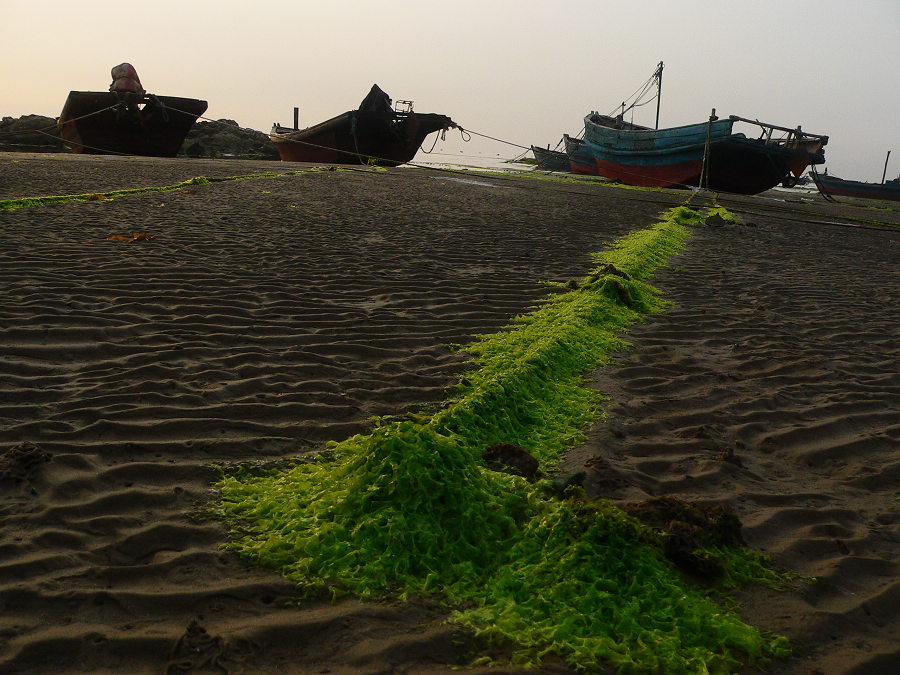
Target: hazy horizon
[522, 71]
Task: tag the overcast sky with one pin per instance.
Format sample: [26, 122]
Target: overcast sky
[524, 71]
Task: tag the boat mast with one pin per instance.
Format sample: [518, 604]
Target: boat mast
[884, 174]
[658, 73]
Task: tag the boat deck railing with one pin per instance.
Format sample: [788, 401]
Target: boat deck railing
[795, 136]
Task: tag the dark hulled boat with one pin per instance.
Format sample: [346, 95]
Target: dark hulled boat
[832, 186]
[127, 123]
[374, 133]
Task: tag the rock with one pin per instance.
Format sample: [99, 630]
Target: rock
[226, 139]
[30, 133]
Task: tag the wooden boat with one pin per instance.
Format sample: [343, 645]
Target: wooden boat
[127, 123]
[637, 155]
[708, 154]
[832, 186]
[375, 133]
[580, 158]
[550, 160]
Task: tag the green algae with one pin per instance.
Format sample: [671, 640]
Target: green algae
[589, 584]
[13, 204]
[411, 509]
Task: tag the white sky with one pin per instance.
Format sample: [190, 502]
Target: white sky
[524, 71]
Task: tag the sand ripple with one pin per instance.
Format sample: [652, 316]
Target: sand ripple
[265, 318]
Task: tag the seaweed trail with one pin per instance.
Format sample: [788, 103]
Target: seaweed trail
[413, 509]
[23, 202]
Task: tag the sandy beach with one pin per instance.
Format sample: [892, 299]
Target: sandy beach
[268, 316]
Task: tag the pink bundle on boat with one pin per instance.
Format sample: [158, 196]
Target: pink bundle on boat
[125, 78]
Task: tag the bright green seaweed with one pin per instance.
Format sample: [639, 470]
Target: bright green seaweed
[412, 508]
[13, 204]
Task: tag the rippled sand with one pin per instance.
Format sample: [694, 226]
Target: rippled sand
[269, 316]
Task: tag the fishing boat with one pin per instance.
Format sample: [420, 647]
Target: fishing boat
[550, 160]
[832, 186]
[375, 133]
[126, 120]
[710, 154]
[581, 160]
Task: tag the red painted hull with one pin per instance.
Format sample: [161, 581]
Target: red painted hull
[583, 169]
[683, 173]
[581, 161]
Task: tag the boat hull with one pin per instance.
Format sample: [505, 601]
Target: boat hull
[749, 166]
[550, 160]
[650, 157]
[359, 137]
[674, 157]
[106, 123]
[838, 187]
[581, 161]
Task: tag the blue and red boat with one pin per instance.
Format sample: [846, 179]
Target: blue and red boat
[581, 160]
[708, 154]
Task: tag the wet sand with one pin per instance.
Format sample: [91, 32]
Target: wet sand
[269, 316]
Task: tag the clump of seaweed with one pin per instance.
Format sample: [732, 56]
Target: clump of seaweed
[415, 508]
[592, 585]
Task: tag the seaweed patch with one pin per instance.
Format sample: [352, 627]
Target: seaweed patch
[421, 507]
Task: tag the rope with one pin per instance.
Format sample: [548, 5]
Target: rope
[499, 140]
[442, 136]
[828, 197]
[116, 106]
[54, 126]
[463, 132]
[89, 147]
[580, 180]
[639, 92]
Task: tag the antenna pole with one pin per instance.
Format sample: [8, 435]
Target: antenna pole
[659, 70]
[883, 175]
